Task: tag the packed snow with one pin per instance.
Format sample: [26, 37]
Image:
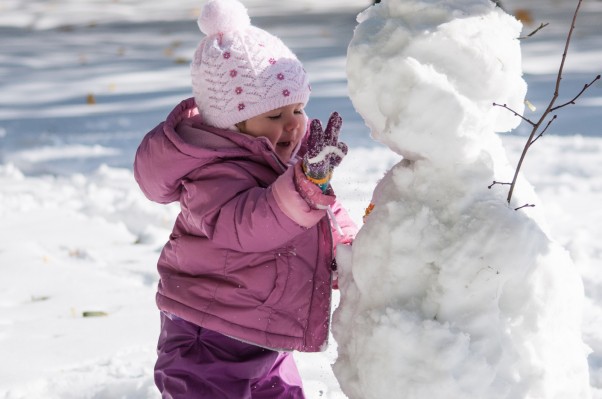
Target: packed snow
[83, 81]
[448, 291]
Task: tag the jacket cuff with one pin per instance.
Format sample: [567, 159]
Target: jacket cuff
[312, 192]
[292, 204]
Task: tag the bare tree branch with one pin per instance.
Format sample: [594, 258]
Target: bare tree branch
[549, 109]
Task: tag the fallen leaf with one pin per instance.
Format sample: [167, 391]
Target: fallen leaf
[530, 105]
[524, 15]
[94, 313]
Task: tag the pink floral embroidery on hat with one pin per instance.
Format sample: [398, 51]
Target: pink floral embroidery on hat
[272, 61]
[280, 76]
[233, 73]
[286, 93]
[227, 55]
[238, 90]
[241, 106]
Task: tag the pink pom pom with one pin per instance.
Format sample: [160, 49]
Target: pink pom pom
[221, 16]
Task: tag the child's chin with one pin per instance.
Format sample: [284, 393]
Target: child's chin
[285, 150]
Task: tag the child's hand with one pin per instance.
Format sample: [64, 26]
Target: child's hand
[310, 192]
[324, 151]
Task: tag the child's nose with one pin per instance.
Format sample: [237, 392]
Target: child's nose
[291, 123]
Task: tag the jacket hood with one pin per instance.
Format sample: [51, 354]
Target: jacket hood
[182, 144]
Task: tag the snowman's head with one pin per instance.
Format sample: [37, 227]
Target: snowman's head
[424, 75]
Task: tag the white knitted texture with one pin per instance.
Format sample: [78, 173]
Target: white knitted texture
[241, 74]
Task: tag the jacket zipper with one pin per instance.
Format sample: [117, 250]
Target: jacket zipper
[278, 162]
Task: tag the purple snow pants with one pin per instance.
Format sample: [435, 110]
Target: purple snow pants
[194, 362]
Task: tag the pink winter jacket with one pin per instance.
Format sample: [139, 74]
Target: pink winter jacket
[247, 257]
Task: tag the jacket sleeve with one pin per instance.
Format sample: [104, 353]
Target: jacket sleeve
[225, 203]
[346, 224]
[153, 166]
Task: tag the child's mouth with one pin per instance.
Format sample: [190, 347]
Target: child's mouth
[284, 144]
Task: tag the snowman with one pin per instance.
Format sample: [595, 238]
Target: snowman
[448, 291]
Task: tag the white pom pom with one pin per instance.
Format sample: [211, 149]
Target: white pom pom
[221, 16]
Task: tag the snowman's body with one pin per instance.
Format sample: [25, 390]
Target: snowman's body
[448, 292]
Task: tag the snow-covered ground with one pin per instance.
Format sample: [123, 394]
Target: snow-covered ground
[80, 84]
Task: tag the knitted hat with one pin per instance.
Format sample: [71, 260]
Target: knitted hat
[240, 71]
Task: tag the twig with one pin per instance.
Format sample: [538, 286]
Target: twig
[543, 131]
[497, 182]
[549, 109]
[515, 113]
[535, 31]
[524, 206]
[585, 87]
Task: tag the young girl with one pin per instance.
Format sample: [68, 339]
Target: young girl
[246, 274]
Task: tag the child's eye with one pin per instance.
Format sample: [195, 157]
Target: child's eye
[274, 117]
[299, 111]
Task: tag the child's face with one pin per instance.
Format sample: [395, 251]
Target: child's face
[284, 127]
